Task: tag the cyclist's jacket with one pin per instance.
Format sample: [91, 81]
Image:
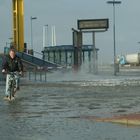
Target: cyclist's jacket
[12, 65]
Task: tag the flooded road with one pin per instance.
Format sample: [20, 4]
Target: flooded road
[61, 110]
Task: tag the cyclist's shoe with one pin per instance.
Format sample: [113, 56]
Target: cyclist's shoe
[12, 98]
[6, 98]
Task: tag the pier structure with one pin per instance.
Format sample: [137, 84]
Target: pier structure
[67, 54]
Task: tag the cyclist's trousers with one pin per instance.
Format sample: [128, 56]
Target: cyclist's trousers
[8, 82]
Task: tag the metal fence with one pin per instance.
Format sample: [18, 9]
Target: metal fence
[37, 76]
[40, 76]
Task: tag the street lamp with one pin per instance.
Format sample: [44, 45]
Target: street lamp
[32, 18]
[45, 37]
[114, 37]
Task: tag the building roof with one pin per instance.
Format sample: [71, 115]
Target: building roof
[68, 48]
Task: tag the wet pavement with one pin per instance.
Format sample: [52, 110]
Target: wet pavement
[63, 110]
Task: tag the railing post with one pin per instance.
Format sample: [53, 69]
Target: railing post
[35, 75]
[29, 75]
[45, 76]
[40, 76]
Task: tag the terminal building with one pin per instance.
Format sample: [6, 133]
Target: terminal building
[64, 54]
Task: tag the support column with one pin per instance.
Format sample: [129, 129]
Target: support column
[95, 56]
[83, 55]
[60, 56]
[66, 57]
[18, 25]
[77, 43]
[54, 56]
[48, 56]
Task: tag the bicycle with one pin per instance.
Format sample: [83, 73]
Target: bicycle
[12, 84]
[12, 87]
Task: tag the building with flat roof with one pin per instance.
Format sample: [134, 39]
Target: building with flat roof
[64, 54]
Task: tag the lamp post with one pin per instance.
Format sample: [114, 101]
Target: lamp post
[45, 37]
[113, 2]
[32, 18]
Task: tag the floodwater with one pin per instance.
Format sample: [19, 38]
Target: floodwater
[60, 108]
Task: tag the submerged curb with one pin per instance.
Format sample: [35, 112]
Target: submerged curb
[130, 119]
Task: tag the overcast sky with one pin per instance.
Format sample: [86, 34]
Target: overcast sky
[63, 14]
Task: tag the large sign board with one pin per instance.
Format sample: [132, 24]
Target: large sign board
[93, 24]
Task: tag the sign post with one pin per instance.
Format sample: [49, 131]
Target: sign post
[93, 26]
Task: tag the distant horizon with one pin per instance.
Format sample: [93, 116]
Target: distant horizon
[64, 15]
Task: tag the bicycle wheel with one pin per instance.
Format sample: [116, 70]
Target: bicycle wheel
[11, 90]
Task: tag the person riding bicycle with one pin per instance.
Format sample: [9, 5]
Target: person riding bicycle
[12, 63]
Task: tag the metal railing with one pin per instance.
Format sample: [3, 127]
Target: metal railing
[36, 61]
[37, 76]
